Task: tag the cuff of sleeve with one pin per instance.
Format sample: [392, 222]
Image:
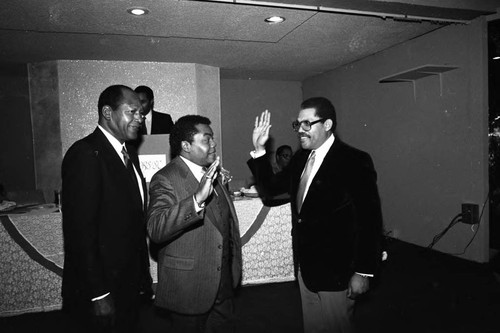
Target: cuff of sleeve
[99, 297]
[365, 275]
[198, 207]
[255, 154]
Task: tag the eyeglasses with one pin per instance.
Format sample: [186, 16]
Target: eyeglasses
[305, 124]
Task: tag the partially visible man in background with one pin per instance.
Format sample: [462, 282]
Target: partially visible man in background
[154, 122]
[283, 156]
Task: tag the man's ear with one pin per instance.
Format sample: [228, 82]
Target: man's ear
[186, 146]
[328, 124]
[106, 112]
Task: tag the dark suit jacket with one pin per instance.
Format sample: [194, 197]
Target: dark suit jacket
[161, 123]
[103, 224]
[190, 257]
[339, 227]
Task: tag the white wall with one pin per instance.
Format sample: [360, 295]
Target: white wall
[241, 102]
[430, 149]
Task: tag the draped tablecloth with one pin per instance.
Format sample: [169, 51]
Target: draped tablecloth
[32, 258]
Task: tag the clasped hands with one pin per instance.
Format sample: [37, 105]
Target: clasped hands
[206, 187]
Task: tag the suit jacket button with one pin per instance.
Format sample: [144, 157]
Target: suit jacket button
[220, 246]
[218, 268]
[299, 221]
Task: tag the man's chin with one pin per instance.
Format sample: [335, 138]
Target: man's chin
[133, 134]
[132, 137]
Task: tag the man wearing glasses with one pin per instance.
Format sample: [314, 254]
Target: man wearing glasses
[283, 156]
[336, 214]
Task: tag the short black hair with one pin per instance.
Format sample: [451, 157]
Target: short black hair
[324, 109]
[112, 96]
[184, 129]
[281, 148]
[145, 90]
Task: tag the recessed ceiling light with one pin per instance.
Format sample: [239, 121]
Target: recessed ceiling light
[138, 11]
[274, 19]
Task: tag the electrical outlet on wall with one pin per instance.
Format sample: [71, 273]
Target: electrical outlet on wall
[470, 213]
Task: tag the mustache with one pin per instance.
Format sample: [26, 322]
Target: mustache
[305, 135]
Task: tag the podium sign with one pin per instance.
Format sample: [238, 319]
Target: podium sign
[154, 154]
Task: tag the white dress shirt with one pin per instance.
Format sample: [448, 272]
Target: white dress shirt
[148, 121]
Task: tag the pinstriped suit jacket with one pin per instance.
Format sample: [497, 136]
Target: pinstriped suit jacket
[190, 257]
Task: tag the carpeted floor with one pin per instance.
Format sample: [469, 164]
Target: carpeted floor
[419, 291]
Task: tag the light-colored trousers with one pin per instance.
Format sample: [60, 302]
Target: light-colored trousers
[326, 311]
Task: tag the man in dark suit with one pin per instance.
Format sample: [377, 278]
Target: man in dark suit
[154, 122]
[192, 217]
[106, 265]
[336, 214]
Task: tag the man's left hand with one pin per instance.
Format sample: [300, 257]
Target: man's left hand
[358, 286]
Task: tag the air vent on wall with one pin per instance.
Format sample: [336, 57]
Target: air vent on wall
[414, 74]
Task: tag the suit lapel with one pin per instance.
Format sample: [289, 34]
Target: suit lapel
[191, 185]
[212, 211]
[153, 122]
[296, 173]
[115, 163]
[325, 170]
[189, 182]
[135, 161]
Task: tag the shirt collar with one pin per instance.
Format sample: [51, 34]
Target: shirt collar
[325, 147]
[117, 145]
[196, 169]
[149, 116]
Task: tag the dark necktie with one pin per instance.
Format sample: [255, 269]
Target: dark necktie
[144, 128]
[130, 166]
[303, 180]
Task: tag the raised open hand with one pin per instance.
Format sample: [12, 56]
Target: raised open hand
[206, 184]
[261, 131]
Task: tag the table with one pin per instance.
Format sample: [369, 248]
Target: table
[32, 257]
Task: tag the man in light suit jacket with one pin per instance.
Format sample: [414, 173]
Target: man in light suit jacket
[106, 265]
[154, 122]
[336, 214]
[192, 218]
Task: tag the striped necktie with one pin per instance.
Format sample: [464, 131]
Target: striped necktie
[304, 179]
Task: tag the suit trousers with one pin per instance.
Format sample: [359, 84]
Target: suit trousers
[220, 319]
[326, 311]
